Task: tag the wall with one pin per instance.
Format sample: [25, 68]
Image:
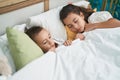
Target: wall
[20, 16]
[113, 6]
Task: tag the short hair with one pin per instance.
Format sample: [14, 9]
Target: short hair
[33, 31]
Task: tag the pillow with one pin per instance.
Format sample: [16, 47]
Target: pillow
[23, 49]
[4, 48]
[50, 21]
[70, 35]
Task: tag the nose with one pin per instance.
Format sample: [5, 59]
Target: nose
[75, 26]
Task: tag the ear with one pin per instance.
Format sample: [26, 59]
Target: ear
[81, 15]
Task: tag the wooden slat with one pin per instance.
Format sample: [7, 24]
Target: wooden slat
[104, 3]
[23, 4]
[46, 5]
[4, 3]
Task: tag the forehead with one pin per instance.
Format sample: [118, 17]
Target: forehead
[43, 34]
[70, 18]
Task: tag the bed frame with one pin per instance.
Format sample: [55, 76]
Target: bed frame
[10, 5]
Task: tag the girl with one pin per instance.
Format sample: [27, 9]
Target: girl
[76, 19]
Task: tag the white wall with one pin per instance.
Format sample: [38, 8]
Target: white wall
[20, 16]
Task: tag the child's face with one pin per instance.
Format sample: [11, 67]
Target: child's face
[44, 40]
[75, 22]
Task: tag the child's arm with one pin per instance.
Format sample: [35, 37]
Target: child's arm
[111, 23]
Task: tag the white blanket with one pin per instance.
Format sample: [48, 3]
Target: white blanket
[95, 58]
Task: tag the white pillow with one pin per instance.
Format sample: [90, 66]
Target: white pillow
[50, 21]
[4, 50]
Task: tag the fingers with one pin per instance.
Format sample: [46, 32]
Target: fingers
[68, 42]
[80, 36]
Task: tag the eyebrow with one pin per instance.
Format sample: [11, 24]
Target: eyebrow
[74, 19]
[45, 39]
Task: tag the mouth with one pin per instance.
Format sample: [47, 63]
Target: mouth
[81, 30]
[53, 46]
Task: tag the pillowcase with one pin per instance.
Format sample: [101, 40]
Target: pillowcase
[50, 21]
[4, 50]
[70, 35]
[23, 49]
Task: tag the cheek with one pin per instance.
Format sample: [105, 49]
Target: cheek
[81, 23]
[44, 48]
[73, 29]
[47, 47]
[67, 20]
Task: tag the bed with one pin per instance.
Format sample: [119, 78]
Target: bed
[95, 58]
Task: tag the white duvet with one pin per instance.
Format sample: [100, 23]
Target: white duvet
[95, 58]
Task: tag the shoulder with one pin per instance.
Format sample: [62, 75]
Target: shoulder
[99, 17]
[101, 14]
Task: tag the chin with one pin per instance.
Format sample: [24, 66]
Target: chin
[82, 30]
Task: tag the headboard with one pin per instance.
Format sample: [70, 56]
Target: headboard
[10, 5]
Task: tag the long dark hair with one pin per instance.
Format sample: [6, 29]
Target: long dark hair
[70, 8]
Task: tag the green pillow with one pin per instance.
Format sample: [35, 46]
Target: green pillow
[22, 48]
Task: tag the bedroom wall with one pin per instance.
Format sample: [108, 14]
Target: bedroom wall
[20, 16]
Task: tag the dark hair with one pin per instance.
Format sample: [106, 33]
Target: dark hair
[33, 31]
[70, 8]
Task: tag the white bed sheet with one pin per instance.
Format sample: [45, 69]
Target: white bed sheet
[95, 58]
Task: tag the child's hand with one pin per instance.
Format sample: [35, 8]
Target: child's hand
[67, 42]
[80, 36]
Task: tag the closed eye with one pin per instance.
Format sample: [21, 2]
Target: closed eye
[70, 26]
[44, 42]
[75, 20]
